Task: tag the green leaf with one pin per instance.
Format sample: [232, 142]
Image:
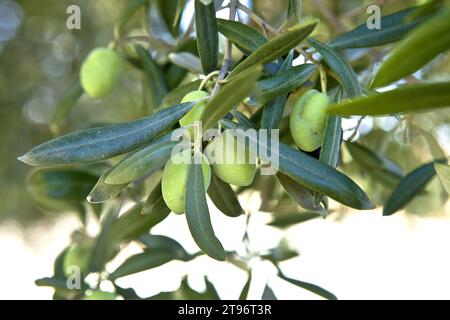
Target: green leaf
[246, 288]
[176, 95]
[393, 28]
[129, 10]
[152, 242]
[154, 76]
[186, 60]
[57, 283]
[407, 98]
[61, 189]
[443, 172]
[337, 63]
[246, 38]
[171, 11]
[409, 187]
[274, 110]
[420, 47]
[230, 96]
[197, 215]
[268, 294]
[68, 100]
[223, 197]
[143, 261]
[103, 192]
[428, 7]
[155, 205]
[207, 35]
[101, 143]
[309, 286]
[295, 9]
[276, 47]
[143, 162]
[299, 194]
[282, 83]
[311, 173]
[286, 220]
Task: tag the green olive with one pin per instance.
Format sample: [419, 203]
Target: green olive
[101, 72]
[77, 255]
[100, 295]
[232, 160]
[174, 178]
[196, 112]
[308, 119]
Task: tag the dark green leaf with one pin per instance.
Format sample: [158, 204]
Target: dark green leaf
[154, 76]
[197, 215]
[443, 172]
[103, 192]
[393, 28]
[101, 143]
[310, 287]
[143, 162]
[407, 98]
[276, 47]
[207, 34]
[224, 198]
[244, 37]
[420, 47]
[230, 96]
[176, 95]
[282, 83]
[68, 100]
[268, 294]
[152, 242]
[57, 283]
[337, 63]
[409, 187]
[295, 9]
[155, 205]
[127, 293]
[286, 220]
[246, 288]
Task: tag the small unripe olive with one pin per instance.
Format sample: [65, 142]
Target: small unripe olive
[308, 119]
[234, 163]
[78, 255]
[196, 112]
[100, 295]
[101, 72]
[174, 178]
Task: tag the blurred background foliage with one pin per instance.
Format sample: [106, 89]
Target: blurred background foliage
[40, 59]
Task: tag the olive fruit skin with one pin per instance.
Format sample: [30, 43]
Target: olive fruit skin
[77, 255]
[174, 178]
[196, 112]
[308, 119]
[100, 72]
[227, 166]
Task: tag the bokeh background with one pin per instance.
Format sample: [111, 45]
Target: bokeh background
[352, 254]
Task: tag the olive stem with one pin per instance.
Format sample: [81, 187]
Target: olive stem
[227, 54]
[207, 78]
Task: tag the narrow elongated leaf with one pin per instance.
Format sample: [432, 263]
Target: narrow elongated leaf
[443, 172]
[310, 287]
[176, 95]
[282, 83]
[407, 98]
[246, 38]
[268, 293]
[246, 288]
[129, 10]
[274, 110]
[101, 143]
[409, 187]
[425, 9]
[276, 47]
[155, 205]
[230, 96]
[299, 194]
[186, 60]
[224, 198]
[152, 242]
[420, 47]
[393, 28]
[103, 192]
[337, 63]
[295, 9]
[143, 162]
[143, 261]
[197, 215]
[66, 103]
[287, 220]
[154, 76]
[311, 173]
[207, 34]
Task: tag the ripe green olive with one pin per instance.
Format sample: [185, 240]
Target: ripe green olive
[174, 178]
[100, 295]
[101, 72]
[308, 119]
[195, 113]
[232, 160]
[78, 255]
